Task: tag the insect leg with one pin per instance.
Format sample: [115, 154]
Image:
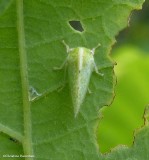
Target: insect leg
[93, 50]
[110, 65]
[64, 80]
[67, 47]
[62, 65]
[89, 91]
[97, 70]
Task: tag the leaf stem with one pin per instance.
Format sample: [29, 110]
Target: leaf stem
[27, 142]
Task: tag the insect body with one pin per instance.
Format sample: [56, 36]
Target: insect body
[80, 64]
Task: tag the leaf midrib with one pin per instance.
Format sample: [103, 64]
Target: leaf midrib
[27, 142]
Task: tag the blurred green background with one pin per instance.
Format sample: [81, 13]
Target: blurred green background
[125, 115]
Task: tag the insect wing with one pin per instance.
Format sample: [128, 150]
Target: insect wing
[80, 67]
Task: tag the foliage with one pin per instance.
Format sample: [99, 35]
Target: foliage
[126, 112]
[35, 119]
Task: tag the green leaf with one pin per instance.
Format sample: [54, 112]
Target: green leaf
[125, 113]
[139, 150]
[33, 113]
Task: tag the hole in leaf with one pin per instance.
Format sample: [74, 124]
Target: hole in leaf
[13, 140]
[76, 25]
